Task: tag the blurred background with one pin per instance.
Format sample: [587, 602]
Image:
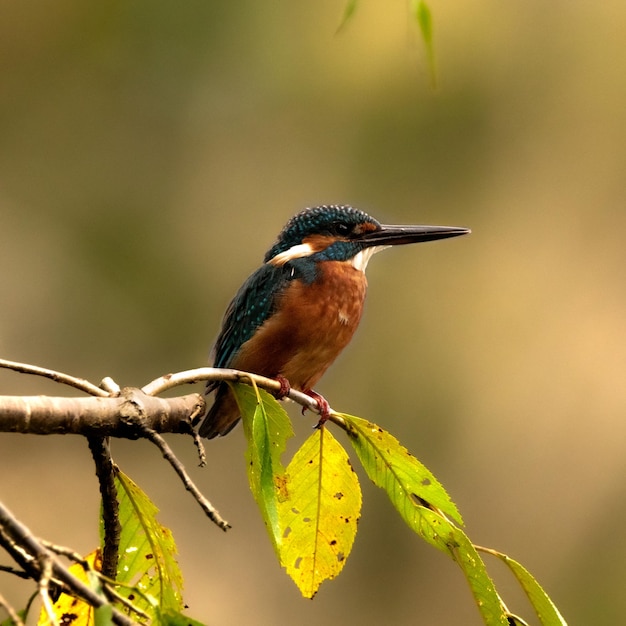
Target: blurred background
[151, 152]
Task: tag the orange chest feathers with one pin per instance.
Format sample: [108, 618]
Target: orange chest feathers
[313, 324]
[331, 305]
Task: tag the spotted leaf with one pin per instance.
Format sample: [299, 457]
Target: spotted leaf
[318, 512]
[267, 428]
[147, 552]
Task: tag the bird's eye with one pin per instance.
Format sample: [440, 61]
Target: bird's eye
[344, 229]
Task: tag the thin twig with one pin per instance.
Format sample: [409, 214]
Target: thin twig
[11, 612]
[108, 587]
[108, 583]
[19, 555]
[20, 573]
[44, 588]
[110, 386]
[197, 441]
[45, 415]
[72, 555]
[59, 377]
[211, 512]
[106, 471]
[188, 377]
[136, 415]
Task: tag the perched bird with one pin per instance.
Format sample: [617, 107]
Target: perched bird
[299, 310]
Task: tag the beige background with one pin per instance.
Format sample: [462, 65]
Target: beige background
[149, 154]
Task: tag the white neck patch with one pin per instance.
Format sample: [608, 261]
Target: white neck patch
[295, 252]
[361, 259]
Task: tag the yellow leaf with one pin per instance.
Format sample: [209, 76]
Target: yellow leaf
[69, 610]
[318, 512]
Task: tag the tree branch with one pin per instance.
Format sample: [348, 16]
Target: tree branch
[105, 471]
[188, 377]
[39, 557]
[45, 563]
[59, 377]
[111, 412]
[104, 417]
[107, 416]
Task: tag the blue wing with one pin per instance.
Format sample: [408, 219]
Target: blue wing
[252, 305]
[255, 302]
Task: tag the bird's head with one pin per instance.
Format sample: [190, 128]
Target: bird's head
[342, 233]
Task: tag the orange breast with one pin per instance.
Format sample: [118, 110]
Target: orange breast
[314, 323]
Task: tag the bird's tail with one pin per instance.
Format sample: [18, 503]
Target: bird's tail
[222, 416]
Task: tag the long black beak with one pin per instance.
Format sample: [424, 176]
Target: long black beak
[399, 235]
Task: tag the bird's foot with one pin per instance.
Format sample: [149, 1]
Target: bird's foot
[322, 405]
[285, 388]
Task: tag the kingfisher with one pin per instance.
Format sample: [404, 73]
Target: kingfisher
[292, 317]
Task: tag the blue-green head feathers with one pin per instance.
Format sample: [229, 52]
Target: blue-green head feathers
[256, 300]
[333, 220]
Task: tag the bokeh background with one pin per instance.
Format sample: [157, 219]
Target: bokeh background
[151, 151]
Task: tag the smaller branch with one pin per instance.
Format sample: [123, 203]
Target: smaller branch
[59, 377]
[22, 540]
[11, 612]
[44, 588]
[110, 386]
[109, 584]
[7, 569]
[66, 552]
[211, 512]
[118, 597]
[189, 377]
[197, 441]
[17, 552]
[335, 418]
[105, 415]
[105, 471]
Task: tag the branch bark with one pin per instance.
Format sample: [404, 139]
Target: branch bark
[97, 416]
[105, 471]
[129, 413]
[118, 415]
[37, 555]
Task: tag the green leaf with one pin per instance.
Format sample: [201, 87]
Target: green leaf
[487, 599]
[320, 512]
[348, 12]
[267, 428]
[103, 615]
[9, 622]
[147, 551]
[424, 19]
[546, 610]
[171, 618]
[311, 509]
[423, 504]
[422, 15]
[408, 483]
